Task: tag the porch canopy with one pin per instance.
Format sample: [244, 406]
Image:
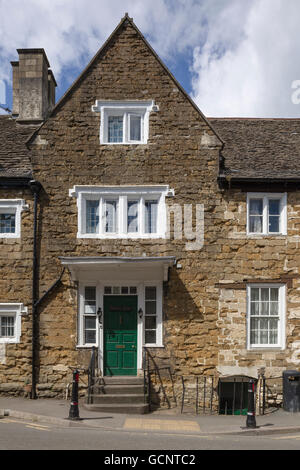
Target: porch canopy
[118, 267]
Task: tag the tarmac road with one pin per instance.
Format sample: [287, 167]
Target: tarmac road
[18, 434]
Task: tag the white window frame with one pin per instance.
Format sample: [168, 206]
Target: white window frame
[283, 213]
[159, 314]
[124, 109]
[13, 206]
[282, 316]
[82, 315]
[15, 310]
[122, 194]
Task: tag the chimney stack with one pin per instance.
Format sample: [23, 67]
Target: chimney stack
[33, 86]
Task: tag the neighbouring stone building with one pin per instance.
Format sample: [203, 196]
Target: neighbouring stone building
[129, 220]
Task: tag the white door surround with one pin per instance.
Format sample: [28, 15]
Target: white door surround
[118, 272]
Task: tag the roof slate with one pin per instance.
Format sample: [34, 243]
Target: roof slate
[14, 155]
[260, 148]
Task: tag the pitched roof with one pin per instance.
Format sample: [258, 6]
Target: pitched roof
[125, 20]
[14, 155]
[260, 148]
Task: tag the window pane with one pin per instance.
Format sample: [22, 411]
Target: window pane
[150, 293]
[255, 224]
[151, 216]
[133, 290]
[132, 217]
[115, 129]
[265, 294]
[90, 337]
[273, 308]
[256, 207]
[273, 331]
[107, 290]
[90, 293]
[150, 323]
[135, 127]
[150, 336]
[110, 216]
[90, 329]
[254, 294]
[254, 338]
[274, 293]
[254, 308]
[7, 223]
[264, 331]
[264, 308]
[92, 216]
[274, 223]
[90, 323]
[124, 290]
[274, 206]
[7, 326]
[150, 307]
[90, 300]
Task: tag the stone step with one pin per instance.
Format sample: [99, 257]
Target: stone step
[112, 399]
[118, 408]
[117, 389]
[121, 380]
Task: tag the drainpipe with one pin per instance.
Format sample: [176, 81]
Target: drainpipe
[35, 187]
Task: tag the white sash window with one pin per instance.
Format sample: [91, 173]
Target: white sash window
[266, 316]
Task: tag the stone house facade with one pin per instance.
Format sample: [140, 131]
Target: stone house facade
[129, 220]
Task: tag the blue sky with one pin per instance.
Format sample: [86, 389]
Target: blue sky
[234, 57]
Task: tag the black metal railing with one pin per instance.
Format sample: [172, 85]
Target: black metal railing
[199, 393]
[152, 370]
[270, 394]
[91, 374]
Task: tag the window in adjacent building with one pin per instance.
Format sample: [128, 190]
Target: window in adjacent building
[10, 322]
[10, 217]
[7, 326]
[267, 214]
[266, 316]
[7, 223]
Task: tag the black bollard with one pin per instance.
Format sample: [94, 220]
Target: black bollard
[251, 421]
[74, 410]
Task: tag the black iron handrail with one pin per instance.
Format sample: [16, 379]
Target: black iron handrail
[91, 373]
[147, 356]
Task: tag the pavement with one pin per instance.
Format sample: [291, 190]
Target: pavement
[56, 412]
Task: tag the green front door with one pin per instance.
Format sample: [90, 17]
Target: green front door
[120, 335]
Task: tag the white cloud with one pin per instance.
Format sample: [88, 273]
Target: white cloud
[252, 76]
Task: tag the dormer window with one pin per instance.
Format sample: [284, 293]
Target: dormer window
[124, 122]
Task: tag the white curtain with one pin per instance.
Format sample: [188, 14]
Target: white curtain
[256, 216]
[150, 216]
[135, 127]
[132, 216]
[92, 216]
[110, 216]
